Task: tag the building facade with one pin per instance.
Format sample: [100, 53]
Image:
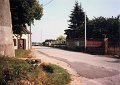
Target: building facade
[23, 42]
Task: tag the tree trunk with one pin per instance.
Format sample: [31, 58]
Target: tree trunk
[6, 34]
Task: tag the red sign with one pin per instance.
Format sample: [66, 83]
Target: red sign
[94, 43]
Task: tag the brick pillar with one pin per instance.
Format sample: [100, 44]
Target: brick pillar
[105, 45]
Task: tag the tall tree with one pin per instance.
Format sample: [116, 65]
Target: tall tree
[24, 12]
[6, 39]
[76, 25]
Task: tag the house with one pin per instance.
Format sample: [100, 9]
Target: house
[49, 42]
[24, 42]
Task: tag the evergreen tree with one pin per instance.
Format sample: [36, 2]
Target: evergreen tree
[76, 26]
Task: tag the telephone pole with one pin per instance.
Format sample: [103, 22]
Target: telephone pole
[119, 33]
[85, 33]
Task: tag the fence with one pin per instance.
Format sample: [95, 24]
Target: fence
[95, 46]
[113, 47]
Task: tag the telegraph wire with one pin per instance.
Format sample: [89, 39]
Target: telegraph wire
[48, 3]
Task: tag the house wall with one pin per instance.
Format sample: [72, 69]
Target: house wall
[24, 36]
[27, 37]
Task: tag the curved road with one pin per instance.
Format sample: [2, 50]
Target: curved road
[93, 69]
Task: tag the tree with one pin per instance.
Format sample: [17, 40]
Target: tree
[113, 28]
[24, 12]
[101, 27]
[6, 36]
[61, 39]
[96, 28]
[76, 25]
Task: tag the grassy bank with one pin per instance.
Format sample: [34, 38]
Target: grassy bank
[19, 72]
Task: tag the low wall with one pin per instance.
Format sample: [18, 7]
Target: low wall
[93, 46]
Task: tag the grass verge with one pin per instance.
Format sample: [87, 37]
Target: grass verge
[22, 72]
[21, 53]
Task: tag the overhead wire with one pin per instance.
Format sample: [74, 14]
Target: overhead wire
[48, 3]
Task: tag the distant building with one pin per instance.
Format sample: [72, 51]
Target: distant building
[49, 42]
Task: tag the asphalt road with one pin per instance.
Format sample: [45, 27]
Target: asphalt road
[93, 69]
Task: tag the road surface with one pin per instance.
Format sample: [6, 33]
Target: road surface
[93, 69]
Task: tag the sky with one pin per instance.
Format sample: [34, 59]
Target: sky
[56, 16]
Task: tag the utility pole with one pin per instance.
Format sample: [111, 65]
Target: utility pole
[41, 35]
[30, 37]
[119, 34]
[85, 33]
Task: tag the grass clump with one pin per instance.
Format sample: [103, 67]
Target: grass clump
[57, 75]
[21, 53]
[19, 72]
[13, 70]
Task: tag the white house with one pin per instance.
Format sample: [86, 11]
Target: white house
[24, 42]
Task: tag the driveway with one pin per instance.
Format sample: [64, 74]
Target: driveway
[92, 69]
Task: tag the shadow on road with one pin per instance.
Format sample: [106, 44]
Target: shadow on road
[116, 61]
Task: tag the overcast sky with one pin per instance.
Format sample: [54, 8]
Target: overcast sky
[56, 14]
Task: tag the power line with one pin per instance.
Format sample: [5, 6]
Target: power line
[48, 3]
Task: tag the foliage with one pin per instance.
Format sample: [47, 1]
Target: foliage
[24, 12]
[13, 71]
[76, 25]
[76, 17]
[101, 27]
[97, 28]
[61, 39]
